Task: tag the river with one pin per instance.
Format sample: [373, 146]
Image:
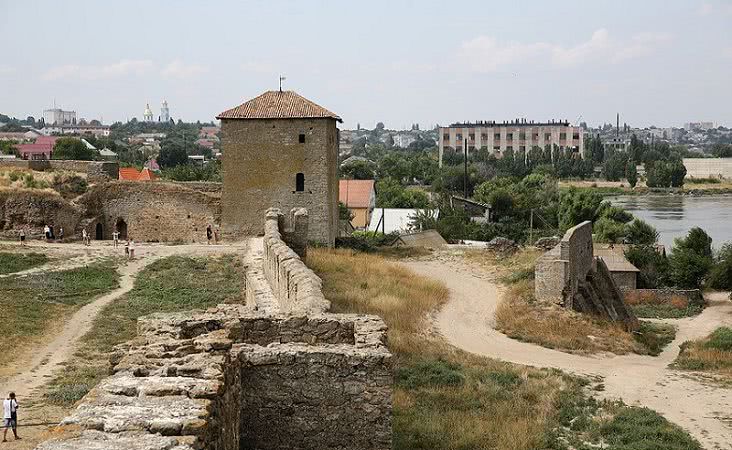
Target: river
[674, 215]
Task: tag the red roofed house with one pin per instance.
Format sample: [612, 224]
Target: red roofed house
[360, 198]
[42, 148]
[131, 174]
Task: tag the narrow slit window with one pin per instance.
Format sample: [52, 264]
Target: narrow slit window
[299, 182]
[302, 138]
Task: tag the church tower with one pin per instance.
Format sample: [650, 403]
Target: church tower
[164, 112]
[147, 115]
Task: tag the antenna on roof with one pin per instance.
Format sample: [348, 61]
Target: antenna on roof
[281, 80]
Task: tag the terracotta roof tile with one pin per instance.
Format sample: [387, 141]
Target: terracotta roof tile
[128, 174]
[356, 193]
[278, 105]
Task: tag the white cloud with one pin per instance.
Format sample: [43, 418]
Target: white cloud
[91, 72]
[486, 54]
[179, 69]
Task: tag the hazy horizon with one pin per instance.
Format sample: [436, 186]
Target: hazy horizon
[659, 63]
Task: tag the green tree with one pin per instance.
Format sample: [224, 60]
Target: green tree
[359, 170]
[691, 259]
[631, 173]
[697, 241]
[608, 230]
[73, 149]
[720, 276]
[653, 266]
[614, 167]
[722, 150]
[172, 154]
[391, 194]
[576, 206]
[640, 232]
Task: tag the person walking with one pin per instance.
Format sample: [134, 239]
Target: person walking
[10, 416]
[22, 237]
[216, 235]
[47, 232]
[131, 254]
[50, 232]
[115, 237]
[61, 233]
[85, 237]
[209, 233]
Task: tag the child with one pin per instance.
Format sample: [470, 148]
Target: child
[10, 416]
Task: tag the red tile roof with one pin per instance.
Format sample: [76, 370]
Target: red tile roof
[356, 193]
[128, 174]
[278, 105]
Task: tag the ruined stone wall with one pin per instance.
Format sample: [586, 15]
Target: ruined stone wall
[96, 171]
[156, 212]
[242, 377]
[32, 209]
[550, 277]
[260, 163]
[576, 248]
[625, 280]
[297, 288]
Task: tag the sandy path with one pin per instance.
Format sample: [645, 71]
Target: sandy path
[467, 322]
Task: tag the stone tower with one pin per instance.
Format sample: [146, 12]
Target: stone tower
[279, 150]
[147, 115]
[164, 112]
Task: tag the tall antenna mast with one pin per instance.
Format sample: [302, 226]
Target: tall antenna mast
[281, 80]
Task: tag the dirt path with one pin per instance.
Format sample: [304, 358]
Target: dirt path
[467, 321]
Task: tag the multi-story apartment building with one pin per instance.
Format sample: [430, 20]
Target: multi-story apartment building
[58, 116]
[518, 135]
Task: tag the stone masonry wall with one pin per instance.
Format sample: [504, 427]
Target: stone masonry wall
[152, 211]
[576, 248]
[260, 164]
[242, 377]
[96, 171]
[31, 209]
[296, 287]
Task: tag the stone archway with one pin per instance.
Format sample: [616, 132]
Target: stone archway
[99, 234]
[121, 226]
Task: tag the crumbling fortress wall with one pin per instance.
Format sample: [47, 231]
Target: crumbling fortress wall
[154, 212]
[569, 275]
[32, 209]
[277, 373]
[96, 171]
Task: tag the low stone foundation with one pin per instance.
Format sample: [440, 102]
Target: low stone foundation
[251, 376]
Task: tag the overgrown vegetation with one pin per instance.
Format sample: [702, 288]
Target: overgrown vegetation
[520, 317]
[448, 399]
[69, 185]
[16, 262]
[653, 305]
[30, 305]
[176, 283]
[711, 354]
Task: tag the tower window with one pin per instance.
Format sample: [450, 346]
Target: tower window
[300, 182]
[301, 138]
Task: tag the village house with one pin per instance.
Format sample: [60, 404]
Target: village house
[42, 148]
[360, 198]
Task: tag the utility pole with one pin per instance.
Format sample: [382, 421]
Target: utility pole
[531, 227]
[465, 164]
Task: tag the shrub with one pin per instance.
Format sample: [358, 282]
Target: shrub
[366, 241]
[720, 339]
[720, 276]
[69, 185]
[640, 233]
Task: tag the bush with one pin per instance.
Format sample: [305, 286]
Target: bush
[640, 233]
[69, 185]
[720, 339]
[607, 230]
[720, 276]
[366, 241]
[653, 266]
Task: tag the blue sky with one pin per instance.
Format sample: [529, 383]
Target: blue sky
[656, 62]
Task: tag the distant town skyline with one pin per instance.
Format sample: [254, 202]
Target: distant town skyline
[661, 63]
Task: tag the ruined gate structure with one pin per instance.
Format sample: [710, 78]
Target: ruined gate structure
[571, 276]
[279, 372]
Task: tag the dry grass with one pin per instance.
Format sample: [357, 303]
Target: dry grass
[712, 354]
[519, 316]
[649, 304]
[444, 398]
[509, 268]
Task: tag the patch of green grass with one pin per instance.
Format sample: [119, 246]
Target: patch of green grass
[720, 339]
[644, 429]
[172, 284]
[655, 336]
[666, 311]
[16, 262]
[29, 305]
[430, 373]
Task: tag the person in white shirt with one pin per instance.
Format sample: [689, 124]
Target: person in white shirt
[115, 237]
[10, 416]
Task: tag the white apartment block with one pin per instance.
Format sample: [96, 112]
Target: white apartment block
[58, 116]
[519, 135]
